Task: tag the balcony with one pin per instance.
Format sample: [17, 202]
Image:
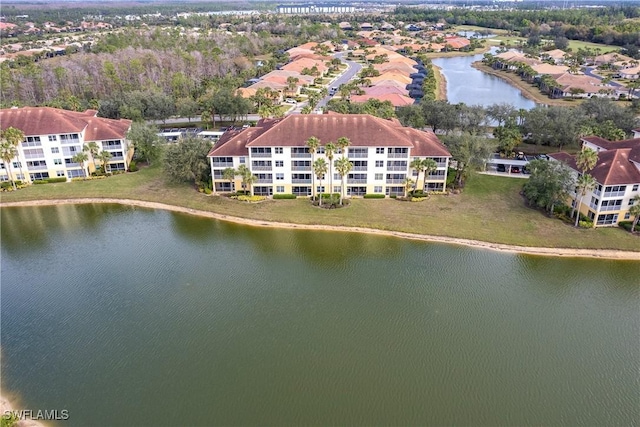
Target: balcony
[300, 181]
[261, 168]
[116, 158]
[72, 165]
[441, 164]
[34, 156]
[435, 177]
[359, 168]
[398, 155]
[614, 194]
[610, 208]
[358, 155]
[356, 181]
[301, 168]
[112, 147]
[395, 181]
[222, 164]
[264, 181]
[37, 168]
[397, 168]
[69, 141]
[260, 154]
[300, 155]
[593, 206]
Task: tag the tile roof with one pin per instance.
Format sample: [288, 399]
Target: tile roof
[362, 129]
[613, 145]
[46, 121]
[613, 167]
[382, 89]
[396, 99]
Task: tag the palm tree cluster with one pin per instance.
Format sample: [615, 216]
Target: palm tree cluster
[425, 166]
[343, 165]
[248, 179]
[9, 140]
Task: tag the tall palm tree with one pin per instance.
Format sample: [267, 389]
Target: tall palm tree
[312, 145]
[585, 161]
[8, 152]
[635, 211]
[14, 137]
[93, 149]
[104, 157]
[230, 175]
[429, 166]
[408, 183]
[320, 170]
[329, 151]
[250, 180]
[81, 158]
[343, 166]
[246, 174]
[417, 165]
[584, 183]
[342, 143]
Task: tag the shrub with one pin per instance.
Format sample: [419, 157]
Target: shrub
[54, 180]
[285, 196]
[251, 199]
[418, 199]
[40, 181]
[627, 225]
[374, 196]
[133, 167]
[416, 193]
[585, 224]
[207, 190]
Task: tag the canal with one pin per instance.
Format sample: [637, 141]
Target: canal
[129, 316]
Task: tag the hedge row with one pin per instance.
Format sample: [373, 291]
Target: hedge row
[373, 196]
[627, 225]
[49, 180]
[285, 196]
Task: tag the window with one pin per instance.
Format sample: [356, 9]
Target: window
[110, 145]
[320, 189]
[279, 176]
[68, 137]
[57, 161]
[60, 174]
[278, 150]
[36, 163]
[52, 138]
[630, 202]
[320, 150]
[31, 141]
[627, 216]
[17, 164]
[279, 163]
[55, 150]
[38, 176]
[377, 189]
[243, 160]
[2, 166]
[280, 189]
[608, 219]
[336, 188]
[611, 205]
[635, 188]
[379, 163]
[261, 152]
[379, 176]
[358, 152]
[337, 176]
[379, 150]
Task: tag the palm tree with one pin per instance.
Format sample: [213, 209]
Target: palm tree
[635, 211]
[343, 166]
[329, 151]
[81, 158]
[408, 183]
[312, 145]
[8, 152]
[429, 166]
[585, 161]
[246, 174]
[342, 143]
[417, 165]
[230, 175]
[104, 157]
[249, 180]
[585, 183]
[320, 170]
[93, 149]
[13, 137]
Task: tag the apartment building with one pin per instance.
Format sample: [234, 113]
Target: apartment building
[54, 136]
[617, 174]
[276, 153]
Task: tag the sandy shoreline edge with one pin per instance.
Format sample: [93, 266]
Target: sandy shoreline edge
[558, 252]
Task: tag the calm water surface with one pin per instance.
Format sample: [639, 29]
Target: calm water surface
[127, 316]
[473, 87]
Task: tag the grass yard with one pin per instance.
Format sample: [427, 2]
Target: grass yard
[514, 41]
[491, 209]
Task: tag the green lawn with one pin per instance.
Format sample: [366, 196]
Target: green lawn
[515, 41]
[490, 209]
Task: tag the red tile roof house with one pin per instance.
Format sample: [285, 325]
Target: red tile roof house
[53, 136]
[617, 173]
[380, 151]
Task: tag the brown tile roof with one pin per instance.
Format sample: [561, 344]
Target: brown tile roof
[47, 121]
[396, 99]
[362, 129]
[613, 145]
[613, 167]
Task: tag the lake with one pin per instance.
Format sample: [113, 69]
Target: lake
[473, 87]
[130, 316]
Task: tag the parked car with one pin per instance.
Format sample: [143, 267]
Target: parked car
[526, 170]
[501, 168]
[333, 91]
[290, 101]
[515, 169]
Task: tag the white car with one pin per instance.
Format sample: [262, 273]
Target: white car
[290, 101]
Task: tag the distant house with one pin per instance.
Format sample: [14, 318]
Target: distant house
[617, 174]
[380, 152]
[54, 136]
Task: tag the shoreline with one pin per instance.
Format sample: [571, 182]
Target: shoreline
[6, 406]
[441, 82]
[612, 254]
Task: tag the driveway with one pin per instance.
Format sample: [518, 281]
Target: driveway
[354, 69]
[588, 71]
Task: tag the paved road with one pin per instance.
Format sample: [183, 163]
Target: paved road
[353, 70]
[588, 71]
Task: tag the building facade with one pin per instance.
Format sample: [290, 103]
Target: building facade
[381, 151]
[617, 174]
[311, 8]
[54, 136]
